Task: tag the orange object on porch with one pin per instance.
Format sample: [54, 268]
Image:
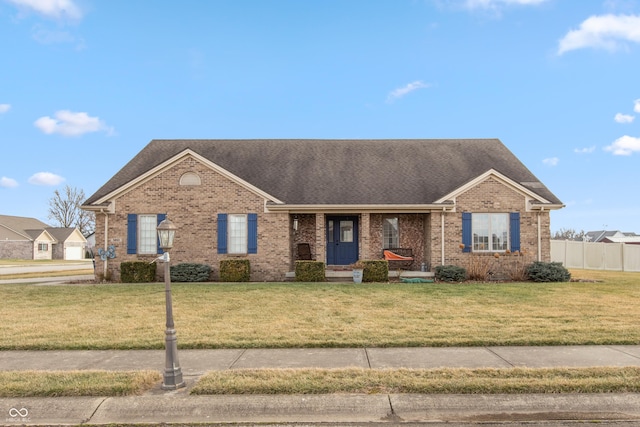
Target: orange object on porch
[390, 256]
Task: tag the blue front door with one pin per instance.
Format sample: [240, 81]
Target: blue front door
[342, 240]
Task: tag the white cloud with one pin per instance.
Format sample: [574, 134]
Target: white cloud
[45, 178]
[585, 150]
[605, 31]
[68, 123]
[400, 92]
[4, 108]
[51, 8]
[551, 161]
[623, 118]
[8, 182]
[636, 105]
[624, 146]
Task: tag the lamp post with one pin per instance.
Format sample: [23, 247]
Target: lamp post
[172, 379]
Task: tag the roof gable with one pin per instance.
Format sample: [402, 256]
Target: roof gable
[17, 226]
[339, 172]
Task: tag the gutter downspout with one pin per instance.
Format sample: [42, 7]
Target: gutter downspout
[444, 210]
[540, 235]
[106, 239]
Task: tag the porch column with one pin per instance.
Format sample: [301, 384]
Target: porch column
[321, 241]
[365, 236]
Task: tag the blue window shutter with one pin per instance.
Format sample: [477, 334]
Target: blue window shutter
[132, 233]
[514, 230]
[466, 231]
[161, 217]
[222, 233]
[252, 225]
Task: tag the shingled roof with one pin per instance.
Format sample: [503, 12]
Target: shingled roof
[344, 172]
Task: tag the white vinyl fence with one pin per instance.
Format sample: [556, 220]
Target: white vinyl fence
[596, 256]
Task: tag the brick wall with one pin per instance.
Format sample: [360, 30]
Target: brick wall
[194, 209]
[490, 196]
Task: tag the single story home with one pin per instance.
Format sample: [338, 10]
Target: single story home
[614, 236]
[343, 200]
[32, 239]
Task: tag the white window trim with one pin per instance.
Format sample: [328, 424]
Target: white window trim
[490, 242]
[237, 244]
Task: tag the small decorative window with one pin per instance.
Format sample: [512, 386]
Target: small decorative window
[190, 178]
[43, 247]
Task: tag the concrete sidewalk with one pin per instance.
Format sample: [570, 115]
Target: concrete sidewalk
[197, 362]
[178, 406]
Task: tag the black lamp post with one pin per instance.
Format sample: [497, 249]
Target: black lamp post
[172, 371]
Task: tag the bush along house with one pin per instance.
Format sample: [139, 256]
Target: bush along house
[435, 202]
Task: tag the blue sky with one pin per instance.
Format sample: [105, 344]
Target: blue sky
[86, 84]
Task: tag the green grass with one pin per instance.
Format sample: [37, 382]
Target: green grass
[76, 383]
[280, 315]
[445, 381]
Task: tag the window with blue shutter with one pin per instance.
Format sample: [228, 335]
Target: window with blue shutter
[466, 231]
[161, 217]
[252, 244]
[132, 233]
[141, 234]
[514, 231]
[222, 233]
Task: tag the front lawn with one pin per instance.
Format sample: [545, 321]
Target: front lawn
[278, 315]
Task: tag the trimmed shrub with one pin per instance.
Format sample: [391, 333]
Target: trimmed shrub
[540, 271]
[451, 273]
[310, 271]
[235, 270]
[137, 272]
[376, 270]
[189, 272]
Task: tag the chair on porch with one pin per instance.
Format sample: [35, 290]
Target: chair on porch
[304, 252]
[399, 258]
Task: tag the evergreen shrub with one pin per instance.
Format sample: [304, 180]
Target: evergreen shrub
[137, 272]
[235, 270]
[190, 272]
[539, 271]
[451, 273]
[310, 271]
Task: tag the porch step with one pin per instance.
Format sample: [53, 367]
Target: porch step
[345, 275]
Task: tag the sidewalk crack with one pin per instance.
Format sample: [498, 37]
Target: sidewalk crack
[366, 354]
[237, 358]
[392, 416]
[88, 420]
[499, 357]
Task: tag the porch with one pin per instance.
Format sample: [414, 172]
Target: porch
[336, 273]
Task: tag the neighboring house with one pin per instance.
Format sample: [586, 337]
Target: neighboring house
[612, 237]
[29, 238]
[347, 199]
[91, 244]
[24, 238]
[71, 244]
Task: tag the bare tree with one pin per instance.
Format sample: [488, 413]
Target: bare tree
[65, 210]
[568, 234]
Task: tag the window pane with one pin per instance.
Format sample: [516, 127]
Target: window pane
[490, 232]
[346, 231]
[147, 234]
[330, 231]
[499, 232]
[390, 235]
[480, 226]
[237, 234]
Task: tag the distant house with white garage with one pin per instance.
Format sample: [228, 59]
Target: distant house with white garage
[30, 238]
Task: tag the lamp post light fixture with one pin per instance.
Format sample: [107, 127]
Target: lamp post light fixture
[172, 378]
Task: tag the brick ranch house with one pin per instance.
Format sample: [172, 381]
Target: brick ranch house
[346, 199]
